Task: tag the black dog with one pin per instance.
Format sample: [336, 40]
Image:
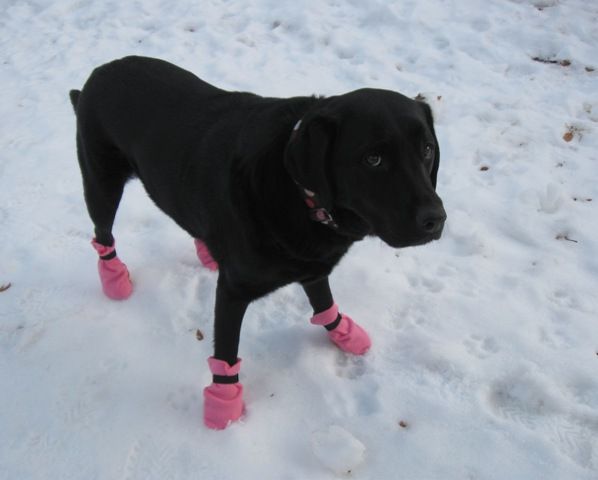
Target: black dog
[278, 189]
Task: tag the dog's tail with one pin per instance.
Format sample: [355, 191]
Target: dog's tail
[74, 96]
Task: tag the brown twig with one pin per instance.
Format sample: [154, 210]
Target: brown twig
[563, 63]
[563, 236]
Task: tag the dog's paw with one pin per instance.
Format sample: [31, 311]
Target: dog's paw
[223, 404]
[350, 337]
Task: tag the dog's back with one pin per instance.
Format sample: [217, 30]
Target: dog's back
[145, 103]
[181, 136]
[148, 118]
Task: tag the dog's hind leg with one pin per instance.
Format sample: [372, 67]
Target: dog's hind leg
[105, 173]
[342, 330]
[223, 399]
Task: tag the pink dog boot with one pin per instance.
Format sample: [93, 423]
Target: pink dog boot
[343, 331]
[223, 400]
[114, 275]
[204, 255]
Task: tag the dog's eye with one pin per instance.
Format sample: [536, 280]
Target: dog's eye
[373, 160]
[428, 152]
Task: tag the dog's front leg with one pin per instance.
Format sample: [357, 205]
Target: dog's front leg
[223, 399]
[342, 330]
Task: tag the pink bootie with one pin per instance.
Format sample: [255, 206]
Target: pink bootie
[204, 255]
[347, 335]
[114, 275]
[223, 402]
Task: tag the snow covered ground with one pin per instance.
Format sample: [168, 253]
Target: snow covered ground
[485, 356]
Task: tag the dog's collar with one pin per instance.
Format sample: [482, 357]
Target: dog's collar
[317, 212]
[296, 129]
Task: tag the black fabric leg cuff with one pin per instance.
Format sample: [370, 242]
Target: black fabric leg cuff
[333, 325]
[225, 380]
[110, 256]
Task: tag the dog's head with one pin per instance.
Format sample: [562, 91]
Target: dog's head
[372, 156]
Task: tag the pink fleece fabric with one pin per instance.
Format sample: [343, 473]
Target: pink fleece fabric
[114, 275]
[348, 336]
[204, 255]
[223, 403]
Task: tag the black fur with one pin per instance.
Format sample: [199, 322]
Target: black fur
[226, 167]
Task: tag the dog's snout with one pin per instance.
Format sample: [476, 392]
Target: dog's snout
[431, 219]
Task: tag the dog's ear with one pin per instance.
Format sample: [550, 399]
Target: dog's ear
[430, 122]
[307, 156]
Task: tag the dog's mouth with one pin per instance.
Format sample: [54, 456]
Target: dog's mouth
[357, 226]
[403, 242]
[426, 239]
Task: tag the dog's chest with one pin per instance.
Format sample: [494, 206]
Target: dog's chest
[263, 273]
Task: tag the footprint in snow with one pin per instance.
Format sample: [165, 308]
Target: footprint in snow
[480, 25]
[433, 285]
[337, 449]
[348, 366]
[525, 398]
[481, 347]
[149, 459]
[184, 399]
[78, 405]
[567, 299]
[441, 43]
[78, 234]
[20, 337]
[551, 199]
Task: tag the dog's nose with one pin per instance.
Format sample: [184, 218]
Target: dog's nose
[431, 219]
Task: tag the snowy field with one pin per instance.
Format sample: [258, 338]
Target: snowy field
[485, 355]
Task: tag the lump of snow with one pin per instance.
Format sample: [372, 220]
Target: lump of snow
[552, 200]
[337, 449]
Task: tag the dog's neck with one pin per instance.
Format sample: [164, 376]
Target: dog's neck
[317, 213]
[353, 225]
[298, 223]
[344, 222]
